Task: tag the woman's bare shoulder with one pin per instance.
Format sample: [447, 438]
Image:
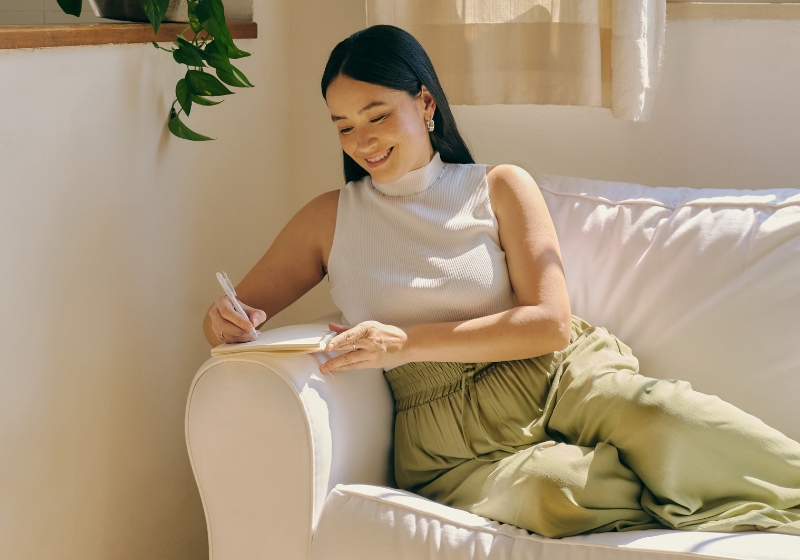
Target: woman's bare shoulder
[319, 215]
[507, 173]
[321, 209]
[325, 203]
[510, 184]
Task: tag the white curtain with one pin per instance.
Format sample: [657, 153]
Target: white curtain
[599, 53]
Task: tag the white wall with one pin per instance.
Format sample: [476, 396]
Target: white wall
[110, 233]
[315, 157]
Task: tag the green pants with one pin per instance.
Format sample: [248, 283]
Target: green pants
[577, 441]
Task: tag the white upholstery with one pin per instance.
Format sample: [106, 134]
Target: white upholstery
[361, 521]
[703, 285]
[269, 437]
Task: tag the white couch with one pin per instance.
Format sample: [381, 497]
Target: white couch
[704, 285]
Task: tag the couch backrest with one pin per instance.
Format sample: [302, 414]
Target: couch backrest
[702, 284]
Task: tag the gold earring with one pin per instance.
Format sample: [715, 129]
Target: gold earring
[430, 124]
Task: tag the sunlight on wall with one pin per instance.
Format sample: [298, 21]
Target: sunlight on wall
[111, 233]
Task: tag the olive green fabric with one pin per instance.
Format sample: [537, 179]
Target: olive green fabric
[577, 441]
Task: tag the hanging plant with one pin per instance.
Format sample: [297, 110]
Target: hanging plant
[210, 48]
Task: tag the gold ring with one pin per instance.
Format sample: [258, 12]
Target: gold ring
[354, 347]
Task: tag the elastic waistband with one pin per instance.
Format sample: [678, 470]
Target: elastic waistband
[417, 383]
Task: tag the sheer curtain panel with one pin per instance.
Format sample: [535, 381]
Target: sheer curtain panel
[598, 53]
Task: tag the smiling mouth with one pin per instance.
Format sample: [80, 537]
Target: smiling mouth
[372, 162]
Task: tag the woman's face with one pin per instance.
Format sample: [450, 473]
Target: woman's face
[382, 129]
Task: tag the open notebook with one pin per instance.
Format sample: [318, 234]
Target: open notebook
[292, 339]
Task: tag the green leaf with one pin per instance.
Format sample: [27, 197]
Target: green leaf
[188, 54]
[217, 54]
[180, 130]
[155, 10]
[71, 7]
[188, 45]
[203, 101]
[233, 77]
[184, 96]
[236, 52]
[201, 83]
[211, 14]
[194, 23]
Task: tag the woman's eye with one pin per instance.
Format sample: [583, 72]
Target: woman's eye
[376, 120]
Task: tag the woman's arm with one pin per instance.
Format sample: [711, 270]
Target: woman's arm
[294, 263]
[542, 321]
[540, 324]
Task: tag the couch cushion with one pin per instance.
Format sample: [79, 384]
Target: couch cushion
[378, 523]
[703, 284]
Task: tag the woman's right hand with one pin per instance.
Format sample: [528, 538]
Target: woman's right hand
[228, 326]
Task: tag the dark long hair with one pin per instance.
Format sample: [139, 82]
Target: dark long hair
[387, 56]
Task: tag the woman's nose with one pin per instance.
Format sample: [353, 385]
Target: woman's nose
[366, 141]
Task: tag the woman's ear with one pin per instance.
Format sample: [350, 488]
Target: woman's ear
[429, 103]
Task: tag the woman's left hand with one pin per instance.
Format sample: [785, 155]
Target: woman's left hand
[367, 345]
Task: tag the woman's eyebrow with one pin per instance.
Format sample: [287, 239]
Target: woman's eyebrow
[365, 108]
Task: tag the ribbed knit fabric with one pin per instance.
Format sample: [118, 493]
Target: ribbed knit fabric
[423, 249]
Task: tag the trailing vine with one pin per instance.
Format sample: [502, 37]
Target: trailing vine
[211, 47]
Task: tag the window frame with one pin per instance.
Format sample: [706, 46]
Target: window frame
[725, 9]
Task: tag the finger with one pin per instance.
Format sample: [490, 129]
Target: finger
[231, 315]
[247, 337]
[338, 328]
[351, 360]
[346, 338]
[233, 330]
[217, 323]
[216, 318]
[229, 333]
[223, 305]
[350, 367]
[257, 317]
[224, 330]
[224, 337]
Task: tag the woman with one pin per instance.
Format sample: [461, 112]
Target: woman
[507, 405]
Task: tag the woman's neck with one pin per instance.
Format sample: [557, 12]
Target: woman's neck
[415, 181]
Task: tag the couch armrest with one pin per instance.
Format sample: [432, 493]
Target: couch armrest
[269, 437]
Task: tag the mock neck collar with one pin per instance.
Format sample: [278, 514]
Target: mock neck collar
[415, 181]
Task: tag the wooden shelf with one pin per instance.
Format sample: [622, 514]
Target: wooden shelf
[41, 36]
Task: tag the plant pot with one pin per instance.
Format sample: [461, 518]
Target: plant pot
[131, 10]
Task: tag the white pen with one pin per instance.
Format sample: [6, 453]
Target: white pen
[225, 282]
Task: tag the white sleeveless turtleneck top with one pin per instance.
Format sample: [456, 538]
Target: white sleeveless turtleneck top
[423, 249]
